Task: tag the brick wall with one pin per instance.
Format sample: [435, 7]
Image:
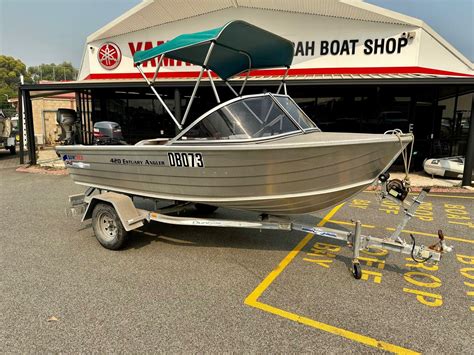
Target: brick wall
[41, 108]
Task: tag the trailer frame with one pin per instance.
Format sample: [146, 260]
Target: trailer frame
[123, 216]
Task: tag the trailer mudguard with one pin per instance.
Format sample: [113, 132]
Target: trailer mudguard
[130, 216]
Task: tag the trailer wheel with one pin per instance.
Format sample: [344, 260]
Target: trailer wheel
[107, 226]
[356, 271]
[205, 209]
[12, 150]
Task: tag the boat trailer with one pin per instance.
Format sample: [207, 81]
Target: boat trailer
[114, 214]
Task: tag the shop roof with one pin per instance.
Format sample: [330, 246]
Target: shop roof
[151, 13]
[313, 79]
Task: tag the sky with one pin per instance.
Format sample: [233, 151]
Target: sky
[53, 31]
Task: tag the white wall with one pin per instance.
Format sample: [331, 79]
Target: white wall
[434, 55]
[296, 27]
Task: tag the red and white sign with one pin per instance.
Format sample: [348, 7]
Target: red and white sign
[323, 46]
[109, 56]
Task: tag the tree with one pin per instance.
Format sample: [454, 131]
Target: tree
[54, 72]
[10, 71]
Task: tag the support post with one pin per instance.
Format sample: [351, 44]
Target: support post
[245, 82]
[283, 80]
[469, 161]
[213, 87]
[89, 113]
[157, 69]
[159, 97]
[20, 126]
[193, 95]
[177, 105]
[231, 88]
[30, 129]
[78, 107]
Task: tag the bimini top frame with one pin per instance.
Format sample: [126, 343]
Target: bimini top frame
[236, 47]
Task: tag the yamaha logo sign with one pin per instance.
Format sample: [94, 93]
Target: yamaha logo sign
[109, 56]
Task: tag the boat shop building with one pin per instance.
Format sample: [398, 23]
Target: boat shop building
[357, 68]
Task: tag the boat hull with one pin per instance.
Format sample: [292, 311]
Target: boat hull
[295, 175]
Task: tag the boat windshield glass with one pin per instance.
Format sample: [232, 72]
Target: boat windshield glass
[252, 117]
[296, 113]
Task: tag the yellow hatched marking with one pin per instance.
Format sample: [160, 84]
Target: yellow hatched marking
[433, 235]
[252, 300]
[405, 231]
[452, 196]
[350, 223]
[432, 195]
[284, 263]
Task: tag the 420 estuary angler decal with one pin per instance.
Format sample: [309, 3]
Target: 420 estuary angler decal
[175, 159]
[185, 160]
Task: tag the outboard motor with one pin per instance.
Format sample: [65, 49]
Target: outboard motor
[68, 121]
[108, 133]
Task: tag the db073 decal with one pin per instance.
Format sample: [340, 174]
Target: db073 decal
[186, 160]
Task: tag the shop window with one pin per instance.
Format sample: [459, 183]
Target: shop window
[325, 113]
[463, 113]
[446, 108]
[462, 120]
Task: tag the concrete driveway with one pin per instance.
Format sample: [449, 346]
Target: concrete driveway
[177, 289]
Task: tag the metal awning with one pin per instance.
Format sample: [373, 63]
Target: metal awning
[231, 54]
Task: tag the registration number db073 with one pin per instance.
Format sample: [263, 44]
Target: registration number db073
[186, 160]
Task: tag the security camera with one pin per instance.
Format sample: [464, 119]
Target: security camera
[408, 35]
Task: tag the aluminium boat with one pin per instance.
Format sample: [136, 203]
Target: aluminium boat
[254, 152]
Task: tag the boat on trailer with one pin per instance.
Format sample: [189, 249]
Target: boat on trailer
[253, 152]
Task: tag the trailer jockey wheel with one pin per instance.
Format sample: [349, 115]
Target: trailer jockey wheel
[356, 270]
[107, 226]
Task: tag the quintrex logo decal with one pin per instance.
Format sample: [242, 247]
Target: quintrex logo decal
[73, 157]
[70, 159]
[109, 56]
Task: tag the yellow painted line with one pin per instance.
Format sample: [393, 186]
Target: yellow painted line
[349, 223]
[433, 235]
[452, 196]
[284, 263]
[432, 195]
[252, 300]
[334, 330]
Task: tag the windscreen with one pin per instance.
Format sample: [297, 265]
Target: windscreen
[244, 119]
[296, 113]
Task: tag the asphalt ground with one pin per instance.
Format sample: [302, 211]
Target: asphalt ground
[199, 289]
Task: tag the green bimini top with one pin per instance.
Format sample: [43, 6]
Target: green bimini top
[239, 46]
